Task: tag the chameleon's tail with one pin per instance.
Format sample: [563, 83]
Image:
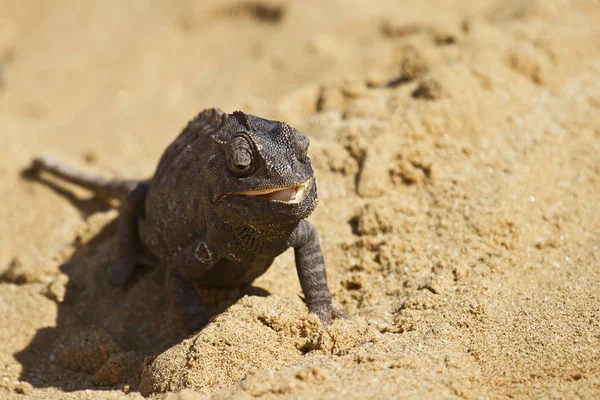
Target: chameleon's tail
[102, 187]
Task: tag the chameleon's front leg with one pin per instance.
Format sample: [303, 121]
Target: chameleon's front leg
[191, 263]
[128, 242]
[311, 272]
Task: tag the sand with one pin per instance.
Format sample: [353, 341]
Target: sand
[457, 150]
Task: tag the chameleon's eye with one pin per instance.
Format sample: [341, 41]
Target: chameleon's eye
[240, 155]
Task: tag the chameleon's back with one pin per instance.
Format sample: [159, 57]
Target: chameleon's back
[177, 197]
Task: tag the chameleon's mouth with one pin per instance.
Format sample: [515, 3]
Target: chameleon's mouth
[290, 194]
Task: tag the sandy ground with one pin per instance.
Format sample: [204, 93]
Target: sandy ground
[457, 147]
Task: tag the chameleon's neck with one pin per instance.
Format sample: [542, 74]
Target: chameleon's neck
[267, 240]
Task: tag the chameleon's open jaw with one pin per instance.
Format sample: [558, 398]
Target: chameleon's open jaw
[290, 194]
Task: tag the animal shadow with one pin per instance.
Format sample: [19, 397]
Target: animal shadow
[85, 206]
[104, 334]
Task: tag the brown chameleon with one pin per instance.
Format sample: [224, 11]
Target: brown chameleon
[229, 195]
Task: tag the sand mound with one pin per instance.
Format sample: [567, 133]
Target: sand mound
[256, 332]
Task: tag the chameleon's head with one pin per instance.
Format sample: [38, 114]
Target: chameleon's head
[261, 172]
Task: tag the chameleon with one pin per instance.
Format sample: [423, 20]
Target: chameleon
[230, 194]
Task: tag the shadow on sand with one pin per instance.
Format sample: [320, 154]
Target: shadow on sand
[103, 333]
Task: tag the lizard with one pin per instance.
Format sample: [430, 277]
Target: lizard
[230, 194]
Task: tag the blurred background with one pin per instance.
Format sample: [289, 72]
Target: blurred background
[114, 82]
[112, 73]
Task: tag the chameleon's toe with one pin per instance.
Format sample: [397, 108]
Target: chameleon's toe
[323, 311]
[338, 313]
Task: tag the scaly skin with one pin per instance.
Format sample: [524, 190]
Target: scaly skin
[229, 195]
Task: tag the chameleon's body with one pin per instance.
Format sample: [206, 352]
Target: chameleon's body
[229, 195]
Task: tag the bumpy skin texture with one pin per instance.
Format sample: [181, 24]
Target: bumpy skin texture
[229, 195]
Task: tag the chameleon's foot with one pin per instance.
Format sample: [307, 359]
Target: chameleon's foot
[323, 311]
[122, 270]
[186, 302]
[338, 313]
[193, 321]
[327, 312]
